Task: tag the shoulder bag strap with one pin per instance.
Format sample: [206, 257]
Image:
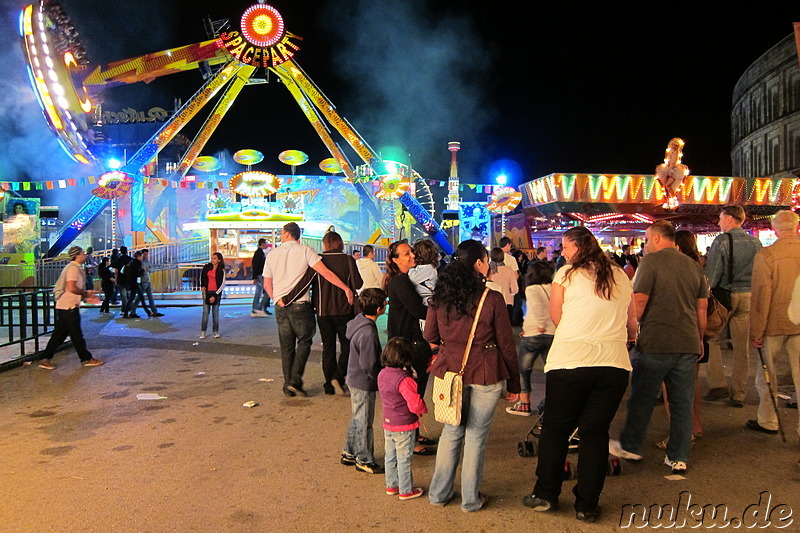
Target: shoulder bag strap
[730, 262]
[472, 331]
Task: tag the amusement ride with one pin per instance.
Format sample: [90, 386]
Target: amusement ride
[66, 88]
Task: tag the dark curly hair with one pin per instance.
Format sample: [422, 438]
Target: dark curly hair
[592, 258]
[460, 284]
[392, 269]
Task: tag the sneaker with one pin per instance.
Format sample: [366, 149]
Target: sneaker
[155, 315]
[416, 492]
[347, 459]
[717, 393]
[202, 334]
[588, 516]
[344, 387]
[371, 468]
[678, 467]
[267, 312]
[134, 315]
[615, 449]
[288, 392]
[46, 364]
[216, 335]
[93, 362]
[536, 503]
[257, 313]
[735, 403]
[392, 491]
[520, 408]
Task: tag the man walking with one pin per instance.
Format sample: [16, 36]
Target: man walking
[260, 298]
[719, 272]
[671, 297]
[284, 270]
[775, 270]
[120, 278]
[147, 289]
[69, 292]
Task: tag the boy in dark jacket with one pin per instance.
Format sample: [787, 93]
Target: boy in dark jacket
[362, 378]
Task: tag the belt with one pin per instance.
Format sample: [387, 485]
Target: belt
[489, 346]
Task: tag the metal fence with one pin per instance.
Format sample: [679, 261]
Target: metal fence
[24, 317]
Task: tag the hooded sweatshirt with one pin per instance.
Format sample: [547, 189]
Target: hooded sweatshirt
[365, 351]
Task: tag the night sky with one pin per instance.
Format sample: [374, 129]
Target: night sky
[553, 89]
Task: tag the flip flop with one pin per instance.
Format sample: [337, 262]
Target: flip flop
[425, 451]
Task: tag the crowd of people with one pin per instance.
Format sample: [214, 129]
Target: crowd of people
[598, 320]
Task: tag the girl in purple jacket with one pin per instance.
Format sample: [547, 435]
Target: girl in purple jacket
[402, 406]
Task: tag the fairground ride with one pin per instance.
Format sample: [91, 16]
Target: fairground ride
[64, 84]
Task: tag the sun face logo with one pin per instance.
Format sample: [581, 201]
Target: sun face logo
[263, 41]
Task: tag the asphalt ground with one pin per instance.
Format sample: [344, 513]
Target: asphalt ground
[80, 452]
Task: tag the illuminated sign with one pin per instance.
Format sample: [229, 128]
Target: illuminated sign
[263, 41]
[130, 116]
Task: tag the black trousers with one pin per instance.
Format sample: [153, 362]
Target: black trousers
[586, 398]
[68, 324]
[331, 328]
[108, 291]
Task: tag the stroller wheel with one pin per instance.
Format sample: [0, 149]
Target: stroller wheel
[614, 467]
[569, 471]
[522, 450]
[532, 447]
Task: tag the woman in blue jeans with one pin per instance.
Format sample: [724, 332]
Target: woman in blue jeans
[492, 360]
[212, 281]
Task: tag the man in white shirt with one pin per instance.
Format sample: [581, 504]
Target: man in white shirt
[284, 269]
[368, 269]
[69, 292]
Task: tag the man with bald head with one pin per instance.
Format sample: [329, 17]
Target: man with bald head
[775, 270]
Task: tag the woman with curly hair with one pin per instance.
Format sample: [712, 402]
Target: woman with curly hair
[492, 360]
[587, 370]
[405, 311]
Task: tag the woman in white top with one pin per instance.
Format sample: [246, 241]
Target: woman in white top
[537, 331]
[586, 371]
[504, 277]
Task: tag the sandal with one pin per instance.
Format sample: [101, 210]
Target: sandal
[425, 441]
[425, 451]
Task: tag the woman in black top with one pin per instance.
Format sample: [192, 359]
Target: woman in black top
[405, 311]
[333, 311]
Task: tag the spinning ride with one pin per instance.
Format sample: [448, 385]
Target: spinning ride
[64, 86]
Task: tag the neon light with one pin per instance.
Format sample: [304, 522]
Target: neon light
[262, 25]
[568, 186]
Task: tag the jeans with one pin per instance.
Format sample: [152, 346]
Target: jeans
[146, 290]
[478, 406]
[123, 297]
[296, 328]
[360, 439]
[739, 323]
[529, 349]
[774, 345]
[261, 297]
[586, 398]
[399, 448]
[135, 295]
[68, 324]
[331, 327]
[214, 308]
[676, 371]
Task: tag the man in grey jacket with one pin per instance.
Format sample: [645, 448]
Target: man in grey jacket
[718, 270]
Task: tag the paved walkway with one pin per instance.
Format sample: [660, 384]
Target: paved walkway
[81, 452]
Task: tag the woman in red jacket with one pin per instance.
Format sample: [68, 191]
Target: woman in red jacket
[212, 280]
[492, 361]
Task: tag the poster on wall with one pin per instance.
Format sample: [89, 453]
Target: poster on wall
[517, 230]
[474, 222]
[21, 226]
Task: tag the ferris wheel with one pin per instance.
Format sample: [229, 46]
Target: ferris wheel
[64, 84]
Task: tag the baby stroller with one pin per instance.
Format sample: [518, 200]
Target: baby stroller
[530, 447]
